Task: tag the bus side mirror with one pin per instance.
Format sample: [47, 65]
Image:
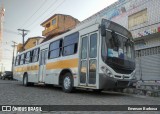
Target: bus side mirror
[103, 30]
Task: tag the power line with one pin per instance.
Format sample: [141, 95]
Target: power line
[55, 8]
[6, 59]
[10, 31]
[5, 43]
[7, 49]
[33, 14]
[52, 11]
[24, 33]
[41, 14]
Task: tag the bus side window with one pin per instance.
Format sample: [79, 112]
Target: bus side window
[35, 55]
[22, 59]
[70, 44]
[28, 57]
[17, 61]
[55, 49]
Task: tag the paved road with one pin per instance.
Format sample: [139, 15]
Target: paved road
[14, 93]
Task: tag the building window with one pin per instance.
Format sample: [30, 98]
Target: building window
[70, 44]
[55, 49]
[22, 59]
[148, 51]
[53, 21]
[137, 18]
[28, 57]
[35, 55]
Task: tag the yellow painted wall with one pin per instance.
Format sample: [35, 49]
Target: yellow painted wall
[137, 18]
[19, 47]
[63, 24]
[31, 43]
[52, 27]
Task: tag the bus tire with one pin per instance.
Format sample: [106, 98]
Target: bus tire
[25, 80]
[67, 85]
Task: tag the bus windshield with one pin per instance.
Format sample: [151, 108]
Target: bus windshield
[118, 51]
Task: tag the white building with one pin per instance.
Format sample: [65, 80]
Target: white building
[142, 18]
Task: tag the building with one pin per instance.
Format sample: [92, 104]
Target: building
[58, 24]
[142, 18]
[31, 42]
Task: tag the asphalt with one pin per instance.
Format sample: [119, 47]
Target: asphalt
[14, 93]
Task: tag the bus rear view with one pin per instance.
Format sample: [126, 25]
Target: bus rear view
[117, 62]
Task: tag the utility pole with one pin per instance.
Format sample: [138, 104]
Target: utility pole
[24, 33]
[14, 45]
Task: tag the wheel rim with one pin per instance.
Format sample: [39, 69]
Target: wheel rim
[67, 83]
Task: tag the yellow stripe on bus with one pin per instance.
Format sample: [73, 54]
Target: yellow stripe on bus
[71, 63]
[27, 68]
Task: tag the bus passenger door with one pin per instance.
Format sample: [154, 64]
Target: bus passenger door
[88, 63]
[42, 65]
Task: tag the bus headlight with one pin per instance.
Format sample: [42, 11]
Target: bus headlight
[107, 71]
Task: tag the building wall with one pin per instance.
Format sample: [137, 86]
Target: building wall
[146, 22]
[142, 18]
[19, 47]
[31, 43]
[62, 24]
[148, 65]
[49, 26]
[66, 23]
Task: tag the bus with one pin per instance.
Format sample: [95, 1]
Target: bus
[96, 55]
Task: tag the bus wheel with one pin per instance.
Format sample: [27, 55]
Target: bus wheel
[25, 80]
[67, 83]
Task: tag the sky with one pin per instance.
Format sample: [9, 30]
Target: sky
[29, 14]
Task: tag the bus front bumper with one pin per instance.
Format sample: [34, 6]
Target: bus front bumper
[106, 82]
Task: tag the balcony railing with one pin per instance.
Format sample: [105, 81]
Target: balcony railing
[51, 28]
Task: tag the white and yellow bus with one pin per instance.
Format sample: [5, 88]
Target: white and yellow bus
[98, 55]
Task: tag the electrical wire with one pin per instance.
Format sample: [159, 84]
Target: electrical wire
[33, 14]
[41, 15]
[10, 31]
[51, 11]
[55, 8]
